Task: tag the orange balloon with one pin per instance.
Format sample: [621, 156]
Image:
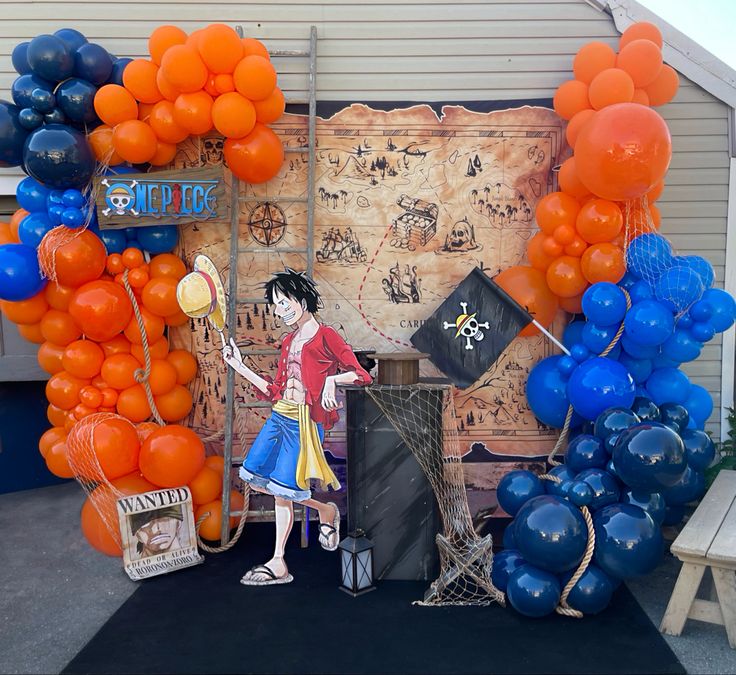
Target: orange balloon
[656, 192]
[139, 78]
[220, 48]
[551, 247]
[216, 462]
[83, 359]
[528, 287]
[572, 305]
[134, 141]
[164, 125]
[116, 446]
[193, 39]
[138, 276]
[157, 350]
[144, 111]
[119, 370]
[570, 98]
[15, 221]
[26, 311]
[109, 397]
[162, 378]
[252, 46]
[256, 158]
[117, 345]
[623, 152]
[115, 104]
[193, 112]
[62, 390]
[102, 309]
[271, 108]
[536, 254]
[57, 462]
[184, 69]
[599, 221]
[556, 209]
[162, 38]
[132, 257]
[31, 332]
[642, 30]
[210, 526]
[603, 262]
[591, 59]
[610, 86]
[564, 235]
[565, 277]
[133, 404]
[175, 405]
[50, 357]
[164, 155]
[51, 437]
[80, 260]
[145, 429]
[641, 97]
[172, 456]
[642, 60]
[6, 234]
[100, 140]
[168, 90]
[56, 416]
[153, 325]
[568, 180]
[185, 365]
[58, 296]
[176, 319]
[167, 265]
[576, 124]
[233, 115]
[255, 77]
[576, 247]
[59, 328]
[206, 486]
[210, 86]
[159, 296]
[224, 83]
[91, 396]
[664, 87]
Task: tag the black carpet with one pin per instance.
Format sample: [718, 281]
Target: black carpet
[201, 620]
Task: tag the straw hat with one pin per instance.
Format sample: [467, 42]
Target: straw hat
[201, 293]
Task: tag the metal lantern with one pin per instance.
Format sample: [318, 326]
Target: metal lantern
[356, 563]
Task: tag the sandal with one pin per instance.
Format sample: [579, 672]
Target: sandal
[327, 531]
[270, 580]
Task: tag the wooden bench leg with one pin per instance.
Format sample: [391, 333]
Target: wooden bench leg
[682, 598]
[725, 581]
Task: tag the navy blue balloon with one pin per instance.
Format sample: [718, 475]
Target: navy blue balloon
[674, 413]
[50, 58]
[639, 369]
[573, 333]
[628, 543]
[509, 535]
[533, 592]
[33, 228]
[585, 452]
[12, 135]
[30, 119]
[645, 409]
[614, 420]
[59, 156]
[20, 276]
[640, 291]
[648, 255]
[699, 448]
[597, 338]
[76, 99]
[118, 66]
[56, 116]
[133, 244]
[114, 241]
[649, 457]
[648, 323]
[605, 487]
[158, 239]
[516, 488]
[611, 467]
[699, 265]
[637, 350]
[604, 304]
[723, 308]
[551, 533]
[592, 593]
[681, 346]
[505, 563]
[678, 288]
[19, 58]
[73, 39]
[43, 100]
[652, 502]
[598, 384]
[689, 488]
[702, 331]
[673, 515]
[23, 87]
[700, 311]
[564, 473]
[31, 195]
[93, 63]
[546, 393]
[610, 443]
[699, 404]
[580, 493]
[668, 385]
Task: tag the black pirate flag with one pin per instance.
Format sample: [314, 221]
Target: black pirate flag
[470, 329]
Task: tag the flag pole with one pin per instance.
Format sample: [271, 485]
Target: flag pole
[542, 329]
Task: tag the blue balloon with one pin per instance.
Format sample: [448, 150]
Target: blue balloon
[545, 392]
[12, 135]
[681, 346]
[76, 99]
[723, 308]
[610, 443]
[604, 304]
[699, 448]
[73, 39]
[516, 488]
[551, 533]
[133, 244]
[641, 290]
[592, 593]
[31, 194]
[564, 473]
[700, 266]
[20, 58]
[615, 353]
[56, 116]
[55, 212]
[645, 409]
[118, 66]
[661, 361]
[585, 452]
[158, 239]
[73, 198]
[93, 63]
[668, 385]
[73, 218]
[33, 228]
[566, 365]
[598, 384]
[648, 323]
[20, 276]
[703, 331]
[649, 457]
[580, 493]
[648, 255]
[636, 350]
[684, 321]
[580, 352]
[674, 414]
[613, 421]
[628, 280]
[50, 58]
[131, 233]
[509, 535]
[678, 288]
[573, 333]
[700, 311]
[628, 543]
[533, 592]
[29, 119]
[59, 156]
[605, 487]
[689, 488]
[24, 86]
[597, 338]
[43, 100]
[673, 515]
[652, 502]
[505, 563]
[639, 369]
[699, 404]
[114, 241]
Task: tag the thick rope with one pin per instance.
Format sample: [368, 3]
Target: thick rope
[238, 532]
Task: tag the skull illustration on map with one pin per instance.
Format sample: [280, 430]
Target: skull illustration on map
[461, 237]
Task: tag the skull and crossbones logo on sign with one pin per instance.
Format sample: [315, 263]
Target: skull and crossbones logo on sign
[467, 326]
[119, 198]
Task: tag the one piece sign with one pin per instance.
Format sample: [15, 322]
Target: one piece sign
[160, 198]
[158, 534]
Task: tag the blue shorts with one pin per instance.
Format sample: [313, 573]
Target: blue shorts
[272, 459]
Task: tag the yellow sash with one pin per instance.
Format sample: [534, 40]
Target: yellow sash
[312, 462]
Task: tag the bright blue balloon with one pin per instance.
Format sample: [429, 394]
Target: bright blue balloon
[573, 333]
[73, 218]
[645, 409]
[649, 457]
[678, 288]
[580, 493]
[73, 39]
[76, 99]
[551, 533]
[628, 280]
[700, 311]
[505, 563]
[55, 197]
[641, 290]
[585, 452]
[613, 421]
[681, 346]
[566, 365]
[661, 361]
[668, 385]
[158, 239]
[674, 414]
[93, 63]
[509, 535]
[648, 323]
[673, 515]
[604, 304]
[648, 255]
[114, 241]
[59, 156]
[20, 277]
[33, 228]
[131, 233]
[616, 352]
[636, 350]
[23, 87]
[703, 331]
[598, 384]
[723, 308]
[50, 58]
[700, 266]
[639, 369]
[689, 488]
[55, 212]
[580, 352]
[652, 502]
[118, 66]
[685, 321]
[605, 487]
[73, 198]
[597, 338]
[628, 543]
[699, 448]
[592, 593]
[31, 195]
[516, 488]
[545, 393]
[699, 404]
[19, 58]
[564, 473]
[12, 135]
[533, 592]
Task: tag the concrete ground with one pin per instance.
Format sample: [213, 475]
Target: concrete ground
[55, 591]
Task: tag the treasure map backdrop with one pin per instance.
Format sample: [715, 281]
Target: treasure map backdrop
[407, 202]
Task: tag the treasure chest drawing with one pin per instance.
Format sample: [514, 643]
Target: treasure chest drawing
[418, 222]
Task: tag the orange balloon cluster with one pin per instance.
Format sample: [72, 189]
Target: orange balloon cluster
[211, 79]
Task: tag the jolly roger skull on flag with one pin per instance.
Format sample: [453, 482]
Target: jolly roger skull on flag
[470, 329]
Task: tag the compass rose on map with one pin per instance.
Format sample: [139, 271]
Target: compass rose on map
[267, 224]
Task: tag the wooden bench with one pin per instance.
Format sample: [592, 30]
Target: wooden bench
[707, 541]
